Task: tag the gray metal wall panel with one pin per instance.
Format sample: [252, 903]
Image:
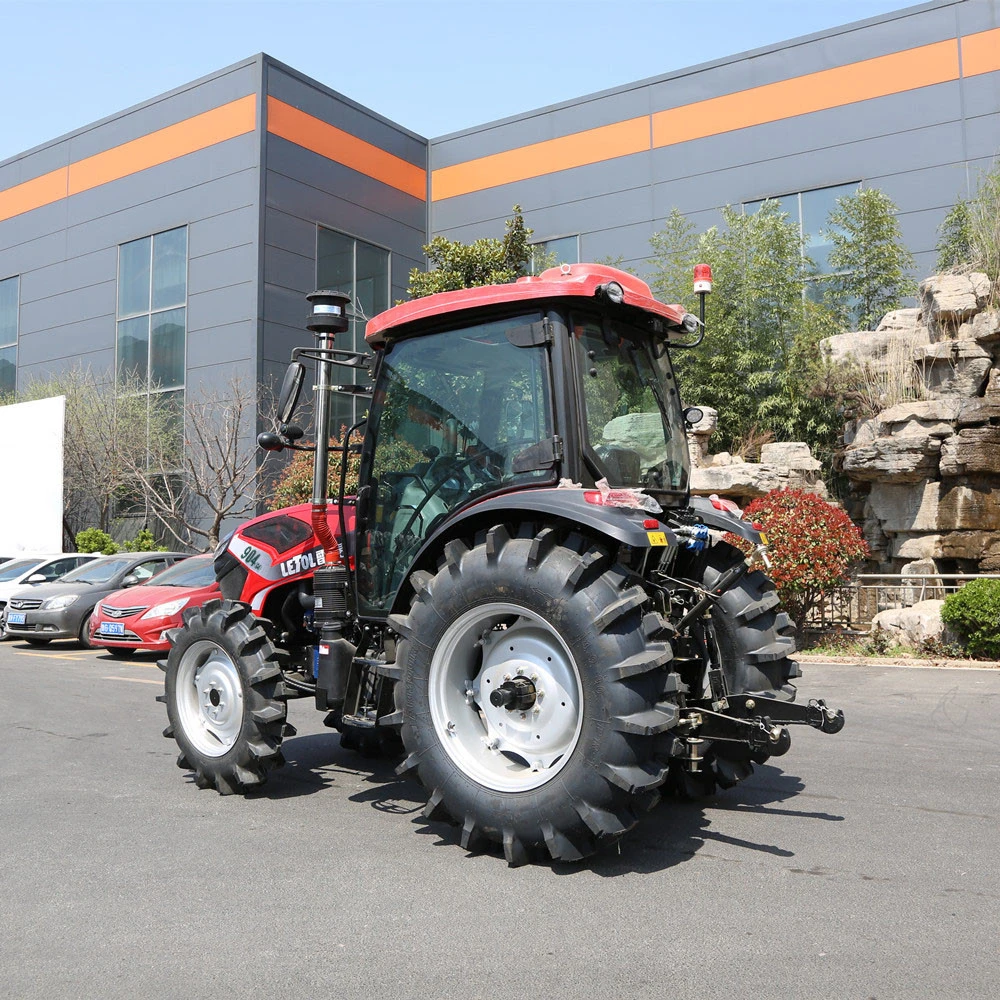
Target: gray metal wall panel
[288, 232]
[25, 257]
[221, 344]
[169, 109]
[222, 269]
[980, 16]
[171, 208]
[97, 359]
[221, 307]
[345, 114]
[69, 275]
[218, 232]
[24, 228]
[35, 163]
[982, 134]
[280, 338]
[981, 96]
[86, 303]
[290, 270]
[286, 160]
[78, 338]
[191, 171]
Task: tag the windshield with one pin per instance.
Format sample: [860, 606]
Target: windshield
[198, 571]
[632, 411]
[17, 568]
[98, 571]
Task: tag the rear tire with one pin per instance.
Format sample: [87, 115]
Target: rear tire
[222, 696]
[568, 773]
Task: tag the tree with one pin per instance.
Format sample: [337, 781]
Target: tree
[871, 264]
[753, 317]
[954, 248]
[486, 261]
[970, 233]
[812, 544]
[202, 466]
[294, 484]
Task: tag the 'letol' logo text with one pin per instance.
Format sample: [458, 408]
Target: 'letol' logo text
[302, 563]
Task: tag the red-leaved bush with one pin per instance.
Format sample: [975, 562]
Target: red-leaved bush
[811, 545]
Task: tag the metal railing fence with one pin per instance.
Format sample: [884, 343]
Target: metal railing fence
[855, 604]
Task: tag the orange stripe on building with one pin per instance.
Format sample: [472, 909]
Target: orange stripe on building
[830, 88]
[861, 81]
[547, 157]
[981, 52]
[35, 193]
[335, 144]
[204, 130]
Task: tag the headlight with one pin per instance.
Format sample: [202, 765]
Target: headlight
[62, 601]
[167, 609]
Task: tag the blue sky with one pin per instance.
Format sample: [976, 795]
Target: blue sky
[435, 66]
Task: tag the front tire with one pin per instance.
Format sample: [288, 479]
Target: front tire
[222, 696]
[564, 769]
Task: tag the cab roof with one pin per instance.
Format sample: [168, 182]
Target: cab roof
[566, 281]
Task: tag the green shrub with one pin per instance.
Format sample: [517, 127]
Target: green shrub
[143, 542]
[973, 612]
[95, 540]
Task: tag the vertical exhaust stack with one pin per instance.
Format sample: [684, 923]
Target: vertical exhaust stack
[331, 583]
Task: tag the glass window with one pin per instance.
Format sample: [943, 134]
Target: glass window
[360, 270]
[455, 418]
[633, 422]
[552, 253]
[133, 277]
[810, 211]
[166, 349]
[133, 348]
[198, 571]
[170, 269]
[152, 328]
[8, 334]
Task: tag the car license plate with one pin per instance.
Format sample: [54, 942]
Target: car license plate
[112, 628]
[15, 617]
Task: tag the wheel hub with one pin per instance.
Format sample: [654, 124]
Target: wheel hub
[209, 698]
[506, 697]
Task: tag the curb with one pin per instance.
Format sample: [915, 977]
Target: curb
[899, 661]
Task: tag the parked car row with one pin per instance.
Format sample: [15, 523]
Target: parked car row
[122, 602]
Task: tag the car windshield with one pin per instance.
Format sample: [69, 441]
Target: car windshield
[13, 570]
[198, 571]
[632, 409]
[98, 571]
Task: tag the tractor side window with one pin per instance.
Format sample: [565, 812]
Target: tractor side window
[452, 414]
[632, 418]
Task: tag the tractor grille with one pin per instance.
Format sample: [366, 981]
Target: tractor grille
[25, 604]
[111, 612]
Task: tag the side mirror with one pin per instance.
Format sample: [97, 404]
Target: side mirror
[291, 388]
[37, 578]
[130, 581]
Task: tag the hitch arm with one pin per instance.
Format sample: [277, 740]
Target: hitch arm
[758, 733]
[815, 713]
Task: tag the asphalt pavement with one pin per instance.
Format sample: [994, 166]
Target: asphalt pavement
[862, 865]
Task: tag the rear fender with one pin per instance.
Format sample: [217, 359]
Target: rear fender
[723, 520]
[621, 524]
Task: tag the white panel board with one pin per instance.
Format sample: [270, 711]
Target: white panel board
[31, 476]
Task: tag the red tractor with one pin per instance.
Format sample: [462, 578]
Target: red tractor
[522, 598]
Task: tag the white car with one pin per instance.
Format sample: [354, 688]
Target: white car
[26, 571]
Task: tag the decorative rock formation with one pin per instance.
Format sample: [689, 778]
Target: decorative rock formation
[914, 626]
[930, 468]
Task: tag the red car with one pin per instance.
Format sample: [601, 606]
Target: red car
[139, 617]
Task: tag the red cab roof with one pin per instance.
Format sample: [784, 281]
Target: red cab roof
[566, 281]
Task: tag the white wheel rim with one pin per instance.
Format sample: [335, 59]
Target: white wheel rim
[209, 698]
[503, 749]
